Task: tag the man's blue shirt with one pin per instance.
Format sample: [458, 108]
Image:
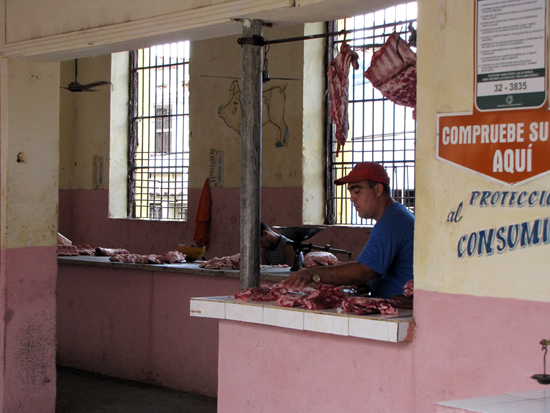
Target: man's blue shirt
[389, 251]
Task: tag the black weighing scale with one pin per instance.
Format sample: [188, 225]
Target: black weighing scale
[298, 235]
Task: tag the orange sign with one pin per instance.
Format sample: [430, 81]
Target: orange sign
[511, 147]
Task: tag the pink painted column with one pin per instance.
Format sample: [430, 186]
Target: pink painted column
[29, 374]
[29, 168]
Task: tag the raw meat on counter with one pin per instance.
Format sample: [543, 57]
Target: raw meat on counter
[316, 258]
[61, 240]
[338, 73]
[231, 263]
[274, 266]
[66, 250]
[321, 297]
[369, 305]
[107, 252]
[85, 249]
[65, 246]
[393, 72]
[324, 296]
[169, 257]
[254, 294]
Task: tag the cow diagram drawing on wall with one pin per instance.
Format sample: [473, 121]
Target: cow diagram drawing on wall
[273, 111]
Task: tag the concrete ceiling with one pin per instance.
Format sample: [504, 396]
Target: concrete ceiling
[137, 34]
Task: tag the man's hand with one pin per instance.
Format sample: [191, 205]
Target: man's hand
[298, 279]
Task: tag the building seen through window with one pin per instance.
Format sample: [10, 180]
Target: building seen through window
[379, 130]
[159, 132]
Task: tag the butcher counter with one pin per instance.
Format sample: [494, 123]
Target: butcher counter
[163, 323]
[392, 328]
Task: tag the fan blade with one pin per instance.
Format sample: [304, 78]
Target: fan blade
[94, 84]
[79, 87]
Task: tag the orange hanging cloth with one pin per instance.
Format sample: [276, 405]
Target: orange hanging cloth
[202, 220]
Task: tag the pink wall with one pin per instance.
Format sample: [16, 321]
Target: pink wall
[136, 325]
[29, 374]
[83, 218]
[469, 346]
[270, 369]
[463, 347]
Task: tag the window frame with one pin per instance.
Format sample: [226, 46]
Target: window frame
[158, 170]
[336, 167]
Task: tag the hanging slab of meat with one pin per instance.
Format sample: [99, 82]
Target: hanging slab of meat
[338, 73]
[393, 72]
[316, 258]
[369, 305]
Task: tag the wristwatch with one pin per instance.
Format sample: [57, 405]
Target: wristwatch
[316, 278]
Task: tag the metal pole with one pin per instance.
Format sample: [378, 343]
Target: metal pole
[251, 155]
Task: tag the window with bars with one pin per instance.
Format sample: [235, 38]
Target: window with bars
[379, 130]
[158, 153]
[163, 128]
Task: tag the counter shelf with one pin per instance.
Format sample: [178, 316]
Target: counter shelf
[190, 268]
[390, 328]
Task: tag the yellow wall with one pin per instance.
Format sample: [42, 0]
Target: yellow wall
[445, 85]
[85, 122]
[281, 166]
[30, 155]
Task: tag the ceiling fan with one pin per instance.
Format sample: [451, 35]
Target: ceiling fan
[76, 86]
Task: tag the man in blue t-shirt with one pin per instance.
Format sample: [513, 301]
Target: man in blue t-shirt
[386, 262]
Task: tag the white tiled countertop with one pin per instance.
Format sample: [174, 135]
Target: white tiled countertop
[532, 401]
[392, 328]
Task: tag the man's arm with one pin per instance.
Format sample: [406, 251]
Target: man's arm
[350, 273]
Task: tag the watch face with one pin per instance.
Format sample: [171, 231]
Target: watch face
[316, 278]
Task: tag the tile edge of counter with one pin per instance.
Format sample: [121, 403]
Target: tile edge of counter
[395, 329]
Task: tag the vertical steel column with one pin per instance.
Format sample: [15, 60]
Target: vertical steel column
[251, 155]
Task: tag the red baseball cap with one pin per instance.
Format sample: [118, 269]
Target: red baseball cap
[363, 171]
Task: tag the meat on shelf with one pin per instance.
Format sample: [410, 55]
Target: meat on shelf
[322, 296]
[65, 247]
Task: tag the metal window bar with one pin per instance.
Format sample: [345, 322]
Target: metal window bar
[159, 132]
[379, 130]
